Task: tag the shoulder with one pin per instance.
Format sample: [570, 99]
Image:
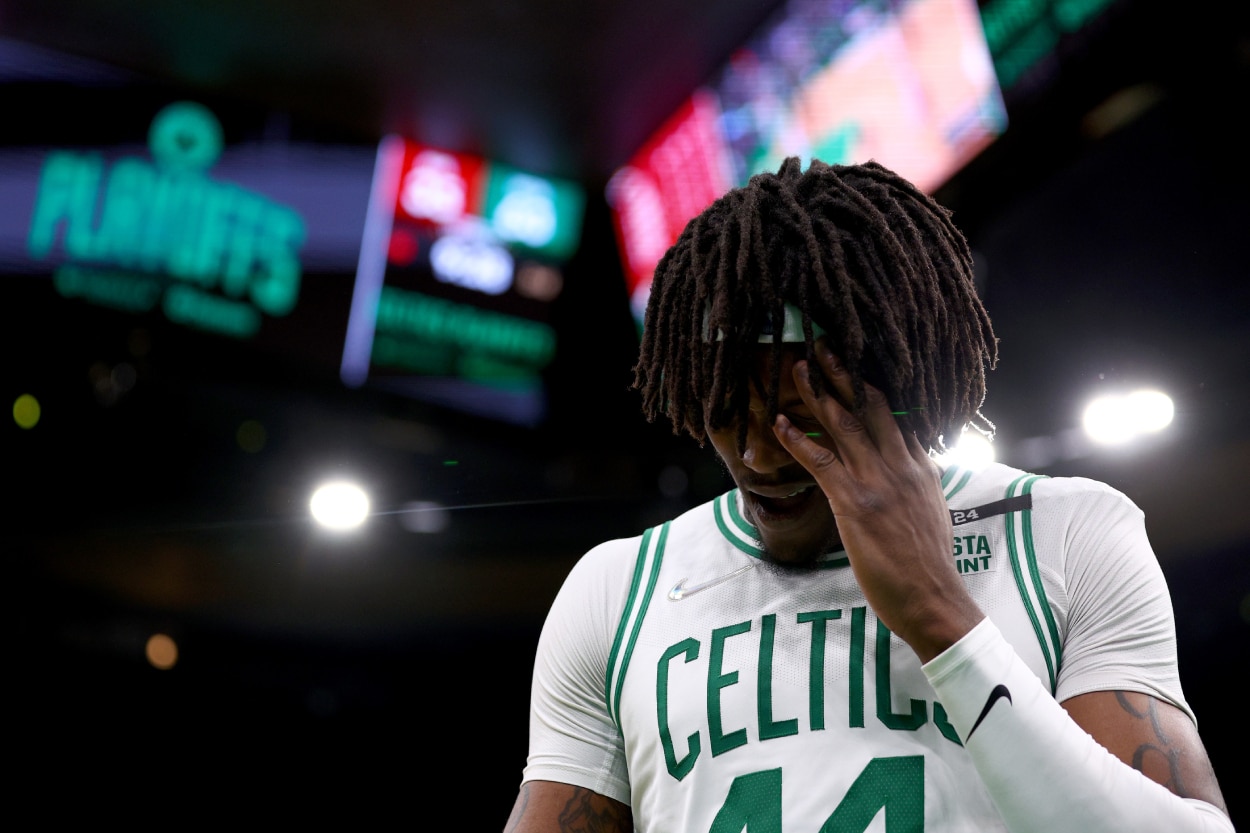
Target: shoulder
[587, 611]
[607, 570]
[996, 481]
[969, 486]
[1085, 506]
[1083, 489]
[1084, 530]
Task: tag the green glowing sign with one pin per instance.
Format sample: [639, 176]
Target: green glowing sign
[1020, 33]
[133, 234]
[535, 213]
[419, 333]
[185, 136]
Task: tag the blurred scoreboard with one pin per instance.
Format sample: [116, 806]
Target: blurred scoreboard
[460, 262]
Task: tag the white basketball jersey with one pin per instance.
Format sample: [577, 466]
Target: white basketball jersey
[739, 695]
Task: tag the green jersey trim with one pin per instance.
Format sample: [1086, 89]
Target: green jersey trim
[1036, 575]
[1028, 577]
[954, 479]
[646, 567]
[733, 526]
[739, 532]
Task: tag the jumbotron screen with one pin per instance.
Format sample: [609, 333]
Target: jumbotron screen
[908, 84]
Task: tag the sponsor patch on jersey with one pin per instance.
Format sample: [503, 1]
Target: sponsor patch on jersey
[989, 510]
[974, 555]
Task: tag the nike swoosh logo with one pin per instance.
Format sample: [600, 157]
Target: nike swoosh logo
[1000, 691]
[681, 590]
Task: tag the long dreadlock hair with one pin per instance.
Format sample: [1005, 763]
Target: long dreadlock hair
[859, 251]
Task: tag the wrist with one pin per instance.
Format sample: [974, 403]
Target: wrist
[931, 633]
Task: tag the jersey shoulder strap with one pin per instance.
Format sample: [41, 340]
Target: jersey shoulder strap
[641, 589]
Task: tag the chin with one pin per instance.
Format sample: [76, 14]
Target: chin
[798, 538]
[800, 554]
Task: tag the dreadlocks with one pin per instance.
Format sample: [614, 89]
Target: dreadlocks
[861, 253]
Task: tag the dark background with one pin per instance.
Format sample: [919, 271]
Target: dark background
[388, 672]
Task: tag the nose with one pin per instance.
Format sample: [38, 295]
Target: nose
[763, 454]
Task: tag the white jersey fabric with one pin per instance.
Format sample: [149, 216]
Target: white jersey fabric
[680, 673]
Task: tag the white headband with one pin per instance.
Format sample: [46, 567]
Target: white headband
[791, 327]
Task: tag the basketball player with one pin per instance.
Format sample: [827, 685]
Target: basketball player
[858, 636]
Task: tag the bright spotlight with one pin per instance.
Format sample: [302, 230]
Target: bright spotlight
[1152, 410]
[973, 450]
[1116, 419]
[339, 506]
[1104, 421]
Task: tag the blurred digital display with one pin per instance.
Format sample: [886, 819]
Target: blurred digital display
[140, 233]
[1025, 35]
[131, 208]
[908, 84]
[460, 262]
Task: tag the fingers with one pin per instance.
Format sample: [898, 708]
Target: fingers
[820, 460]
[878, 433]
[918, 452]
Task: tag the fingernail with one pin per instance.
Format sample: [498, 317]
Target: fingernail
[785, 428]
[830, 356]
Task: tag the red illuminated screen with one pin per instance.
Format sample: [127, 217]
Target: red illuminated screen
[911, 86]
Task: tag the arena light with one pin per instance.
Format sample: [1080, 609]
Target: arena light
[1117, 419]
[339, 506]
[973, 450]
[161, 651]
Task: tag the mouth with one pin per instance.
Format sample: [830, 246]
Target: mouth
[779, 505]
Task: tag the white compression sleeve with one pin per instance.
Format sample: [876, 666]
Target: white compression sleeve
[1042, 770]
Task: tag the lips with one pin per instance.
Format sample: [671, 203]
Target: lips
[778, 505]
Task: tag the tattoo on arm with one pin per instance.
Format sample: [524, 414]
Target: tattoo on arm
[585, 812]
[518, 809]
[589, 812]
[1160, 757]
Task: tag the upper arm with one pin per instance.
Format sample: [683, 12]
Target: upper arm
[573, 739]
[550, 807]
[1152, 736]
[1120, 632]
[1120, 681]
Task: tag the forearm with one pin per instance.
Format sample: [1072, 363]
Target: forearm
[1043, 771]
